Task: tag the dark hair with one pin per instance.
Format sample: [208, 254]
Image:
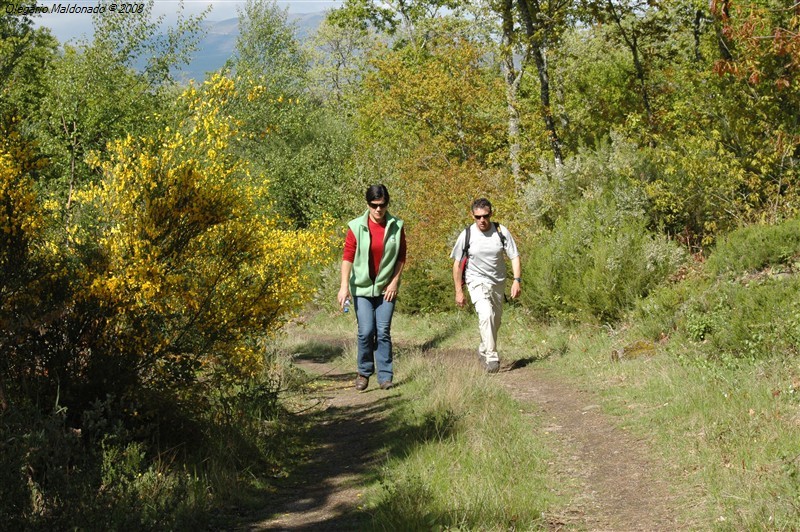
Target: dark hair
[482, 203]
[378, 192]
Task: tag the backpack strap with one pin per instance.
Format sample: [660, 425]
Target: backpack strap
[465, 256]
[500, 234]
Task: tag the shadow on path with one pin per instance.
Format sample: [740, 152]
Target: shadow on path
[351, 435]
[620, 484]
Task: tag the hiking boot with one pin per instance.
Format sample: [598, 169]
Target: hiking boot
[387, 385]
[493, 366]
[361, 383]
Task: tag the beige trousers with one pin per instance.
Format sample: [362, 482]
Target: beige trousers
[488, 302]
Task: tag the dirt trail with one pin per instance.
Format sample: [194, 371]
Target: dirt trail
[618, 482]
[622, 487]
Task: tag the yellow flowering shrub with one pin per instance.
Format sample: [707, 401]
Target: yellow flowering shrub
[20, 215]
[192, 268]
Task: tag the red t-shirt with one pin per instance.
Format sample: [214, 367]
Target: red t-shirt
[376, 233]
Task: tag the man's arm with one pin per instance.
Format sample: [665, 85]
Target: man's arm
[460, 299]
[516, 267]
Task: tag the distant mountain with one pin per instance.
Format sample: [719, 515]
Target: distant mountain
[219, 43]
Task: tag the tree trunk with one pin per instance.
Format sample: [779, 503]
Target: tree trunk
[537, 51]
[512, 78]
[547, 112]
[697, 32]
[632, 42]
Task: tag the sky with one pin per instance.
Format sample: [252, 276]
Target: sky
[66, 26]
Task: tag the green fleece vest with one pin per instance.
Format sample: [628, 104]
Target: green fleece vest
[360, 282]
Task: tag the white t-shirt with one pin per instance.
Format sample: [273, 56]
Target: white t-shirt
[486, 262]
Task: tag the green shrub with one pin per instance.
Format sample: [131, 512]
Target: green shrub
[656, 315]
[427, 288]
[552, 193]
[754, 321]
[755, 247]
[596, 262]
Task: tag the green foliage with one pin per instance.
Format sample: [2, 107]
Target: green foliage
[744, 305]
[72, 121]
[109, 322]
[594, 92]
[266, 48]
[596, 262]
[25, 57]
[699, 188]
[441, 102]
[140, 37]
[615, 166]
[753, 317]
[656, 316]
[305, 161]
[300, 149]
[755, 247]
[337, 62]
[392, 18]
[427, 287]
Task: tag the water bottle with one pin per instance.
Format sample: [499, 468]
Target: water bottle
[346, 307]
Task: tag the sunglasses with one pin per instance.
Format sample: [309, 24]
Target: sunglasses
[377, 205]
[481, 216]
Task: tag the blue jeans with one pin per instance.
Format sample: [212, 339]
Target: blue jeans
[374, 316]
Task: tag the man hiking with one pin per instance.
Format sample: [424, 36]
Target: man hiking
[479, 263]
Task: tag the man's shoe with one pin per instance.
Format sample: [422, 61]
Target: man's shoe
[387, 385]
[361, 383]
[493, 366]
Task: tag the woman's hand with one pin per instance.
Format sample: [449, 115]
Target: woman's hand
[344, 293]
[390, 292]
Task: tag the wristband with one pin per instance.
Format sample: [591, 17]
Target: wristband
[518, 279]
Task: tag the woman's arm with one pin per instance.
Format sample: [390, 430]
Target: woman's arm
[344, 286]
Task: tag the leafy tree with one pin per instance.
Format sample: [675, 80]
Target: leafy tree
[26, 55]
[338, 61]
[177, 270]
[122, 100]
[140, 41]
[761, 62]
[16, 29]
[530, 29]
[591, 80]
[406, 21]
[193, 264]
[636, 24]
[266, 48]
[445, 100]
[296, 144]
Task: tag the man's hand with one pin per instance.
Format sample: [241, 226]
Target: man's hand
[461, 300]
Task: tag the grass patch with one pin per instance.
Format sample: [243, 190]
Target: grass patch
[463, 454]
[720, 392]
[728, 432]
[477, 465]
